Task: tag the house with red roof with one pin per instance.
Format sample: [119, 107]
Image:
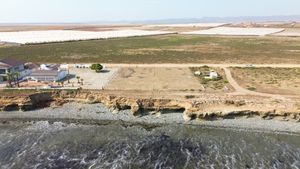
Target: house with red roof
[10, 65]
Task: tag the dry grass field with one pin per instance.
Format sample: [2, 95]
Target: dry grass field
[164, 49]
[154, 79]
[269, 80]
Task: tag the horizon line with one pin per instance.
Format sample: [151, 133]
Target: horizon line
[208, 19]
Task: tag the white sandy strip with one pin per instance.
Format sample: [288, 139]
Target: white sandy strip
[204, 25]
[26, 37]
[236, 31]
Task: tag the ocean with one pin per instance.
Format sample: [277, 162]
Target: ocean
[60, 146]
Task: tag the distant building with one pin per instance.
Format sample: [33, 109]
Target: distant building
[11, 65]
[49, 73]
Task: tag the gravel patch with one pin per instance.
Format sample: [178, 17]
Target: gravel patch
[91, 79]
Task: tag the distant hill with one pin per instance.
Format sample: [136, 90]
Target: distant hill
[279, 18]
[289, 18]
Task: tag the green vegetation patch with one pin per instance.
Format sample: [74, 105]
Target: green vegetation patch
[216, 84]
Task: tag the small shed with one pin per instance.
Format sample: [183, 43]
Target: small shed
[212, 75]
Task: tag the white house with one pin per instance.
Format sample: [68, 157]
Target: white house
[49, 73]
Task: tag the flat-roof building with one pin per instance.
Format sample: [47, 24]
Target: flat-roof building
[49, 73]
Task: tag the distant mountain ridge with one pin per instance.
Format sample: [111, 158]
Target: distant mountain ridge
[239, 19]
[283, 18]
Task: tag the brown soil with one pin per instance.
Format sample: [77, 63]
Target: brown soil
[284, 81]
[153, 79]
[82, 27]
[289, 32]
[174, 29]
[268, 25]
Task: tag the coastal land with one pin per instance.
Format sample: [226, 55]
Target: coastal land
[163, 79]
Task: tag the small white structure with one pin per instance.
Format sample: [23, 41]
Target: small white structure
[212, 75]
[197, 73]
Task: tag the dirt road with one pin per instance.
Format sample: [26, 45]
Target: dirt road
[242, 91]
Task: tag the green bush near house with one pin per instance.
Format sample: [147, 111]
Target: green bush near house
[97, 67]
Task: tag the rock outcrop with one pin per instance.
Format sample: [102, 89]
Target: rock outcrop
[206, 108]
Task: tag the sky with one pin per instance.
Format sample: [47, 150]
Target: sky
[59, 11]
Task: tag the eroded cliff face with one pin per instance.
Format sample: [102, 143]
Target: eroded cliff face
[202, 107]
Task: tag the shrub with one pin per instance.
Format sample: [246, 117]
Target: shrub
[97, 67]
[252, 88]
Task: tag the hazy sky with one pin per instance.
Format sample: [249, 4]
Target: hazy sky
[114, 10]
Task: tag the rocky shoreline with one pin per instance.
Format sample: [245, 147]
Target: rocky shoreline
[100, 107]
[99, 114]
[202, 107]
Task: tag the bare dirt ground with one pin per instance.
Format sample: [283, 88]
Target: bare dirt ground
[295, 32]
[179, 79]
[82, 27]
[141, 81]
[3, 44]
[91, 79]
[93, 27]
[283, 81]
[188, 65]
[173, 29]
[32, 84]
[240, 90]
[267, 24]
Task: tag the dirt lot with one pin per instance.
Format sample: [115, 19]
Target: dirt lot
[173, 29]
[289, 32]
[91, 79]
[269, 80]
[155, 79]
[267, 25]
[82, 27]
